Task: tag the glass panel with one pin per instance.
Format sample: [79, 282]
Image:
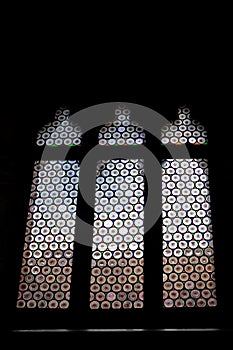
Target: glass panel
[117, 252]
[188, 256]
[48, 249]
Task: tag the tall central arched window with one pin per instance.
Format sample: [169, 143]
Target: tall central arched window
[117, 259]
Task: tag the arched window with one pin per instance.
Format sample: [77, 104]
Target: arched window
[188, 256]
[46, 271]
[117, 258]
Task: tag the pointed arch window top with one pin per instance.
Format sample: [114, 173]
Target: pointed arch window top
[122, 131]
[184, 130]
[61, 131]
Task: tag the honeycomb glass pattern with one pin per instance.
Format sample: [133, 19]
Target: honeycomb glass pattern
[184, 130]
[117, 252]
[59, 132]
[122, 131]
[48, 249]
[188, 255]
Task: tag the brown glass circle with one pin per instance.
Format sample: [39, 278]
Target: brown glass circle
[50, 278]
[189, 285]
[141, 278]
[193, 260]
[121, 296]
[133, 262]
[111, 279]
[168, 285]
[116, 287]
[96, 271]
[112, 262]
[105, 305]
[183, 260]
[101, 263]
[173, 294]
[199, 268]
[200, 284]
[184, 276]
[132, 279]
[127, 270]
[55, 287]
[178, 285]
[117, 271]
[188, 268]
[101, 279]
[61, 278]
[127, 287]
[201, 302]
[204, 260]
[205, 276]
[194, 276]
[209, 268]
[65, 287]
[178, 268]
[106, 271]
[116, 304]
[94, 305]
[138, 287]
[167, 269]
[173, 260]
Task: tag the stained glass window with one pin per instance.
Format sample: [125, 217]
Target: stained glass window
[188, 255]
[117, 252]
[46, 271]
[117, 264]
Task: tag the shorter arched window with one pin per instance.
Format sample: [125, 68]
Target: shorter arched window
[46, 272]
